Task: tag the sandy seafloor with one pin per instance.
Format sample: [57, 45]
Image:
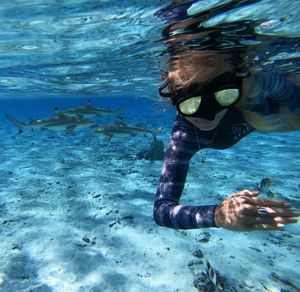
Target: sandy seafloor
[76, 214]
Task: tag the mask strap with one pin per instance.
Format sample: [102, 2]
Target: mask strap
[161, 89]
[170, 95]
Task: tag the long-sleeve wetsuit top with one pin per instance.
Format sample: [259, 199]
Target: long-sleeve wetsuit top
[186, 140]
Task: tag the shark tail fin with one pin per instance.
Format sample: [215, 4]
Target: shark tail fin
[20, 125]
[154, 133]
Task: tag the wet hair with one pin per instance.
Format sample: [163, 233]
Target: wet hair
[191, 68]
[185, 39]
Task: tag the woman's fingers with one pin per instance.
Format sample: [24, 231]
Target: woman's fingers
[260, 211]
[277, 226]
[265, 202]
[270, 220]
[244, 210]
[257, 217]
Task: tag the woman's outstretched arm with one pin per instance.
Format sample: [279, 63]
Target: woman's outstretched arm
[168, 212]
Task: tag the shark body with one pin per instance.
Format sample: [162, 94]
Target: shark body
[57, 122]
[120, 129]
[88, 110]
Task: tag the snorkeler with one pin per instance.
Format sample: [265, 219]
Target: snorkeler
[217, 105]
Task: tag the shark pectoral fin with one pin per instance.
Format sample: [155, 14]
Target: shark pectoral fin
[70, 129]
[133, 135]
[118, 110]
[44, 129]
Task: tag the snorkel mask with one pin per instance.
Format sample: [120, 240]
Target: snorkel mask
[222, 92]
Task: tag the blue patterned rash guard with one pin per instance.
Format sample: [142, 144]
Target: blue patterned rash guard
[186, 140]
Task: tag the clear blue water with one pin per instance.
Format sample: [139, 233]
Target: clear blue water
[106, 47]
[63, 53]
[79, 47]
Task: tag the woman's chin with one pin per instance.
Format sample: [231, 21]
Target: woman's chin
[207, 125]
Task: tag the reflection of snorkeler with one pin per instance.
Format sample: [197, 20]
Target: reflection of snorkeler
[216, 108]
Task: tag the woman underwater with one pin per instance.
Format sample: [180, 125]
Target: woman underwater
[218, 104]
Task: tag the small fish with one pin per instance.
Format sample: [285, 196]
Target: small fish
[211, 273]
[214, 277]
[264, 185]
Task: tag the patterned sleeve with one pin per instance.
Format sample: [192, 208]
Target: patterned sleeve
[167, 210]
[276, 88]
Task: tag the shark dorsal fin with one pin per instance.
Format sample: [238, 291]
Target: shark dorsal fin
[88, 104]
[119, 122]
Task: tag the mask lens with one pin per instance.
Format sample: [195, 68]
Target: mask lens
[227, 97]
[190, 106]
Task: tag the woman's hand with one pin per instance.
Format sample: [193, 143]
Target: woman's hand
[244, 210]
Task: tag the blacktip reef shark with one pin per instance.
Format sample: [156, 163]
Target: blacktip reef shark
[88, 110]
[57, 122]
[120, 129]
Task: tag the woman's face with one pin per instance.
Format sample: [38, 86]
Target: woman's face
[198, 73]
